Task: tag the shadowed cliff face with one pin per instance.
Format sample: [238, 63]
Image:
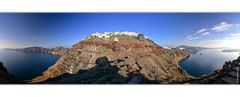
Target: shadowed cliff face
[5, 77]
[129, 54]
[102, 73]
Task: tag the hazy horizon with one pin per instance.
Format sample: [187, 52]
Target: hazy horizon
[215, 30]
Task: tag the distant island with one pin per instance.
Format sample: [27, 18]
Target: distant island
[231, 50]
[192, 49]
[57, 51]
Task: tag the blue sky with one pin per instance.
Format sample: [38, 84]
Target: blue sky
[167, 29]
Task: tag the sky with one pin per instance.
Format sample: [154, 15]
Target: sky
[18, 30]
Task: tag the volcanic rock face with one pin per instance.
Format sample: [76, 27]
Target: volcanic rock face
[58, 51]
[5, 77]
[136, 58]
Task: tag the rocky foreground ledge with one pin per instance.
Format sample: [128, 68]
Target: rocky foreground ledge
[5, 77]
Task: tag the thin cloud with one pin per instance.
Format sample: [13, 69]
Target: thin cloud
[235, 34]
[191, 37]
[188, 36]
[223, 26]
[230, 38]
[206, 33]
[201, 30]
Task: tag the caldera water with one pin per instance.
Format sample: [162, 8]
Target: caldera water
[206, 61]
[25, 66]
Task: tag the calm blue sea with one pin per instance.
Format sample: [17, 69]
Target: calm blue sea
[25, 66]
[206, 61]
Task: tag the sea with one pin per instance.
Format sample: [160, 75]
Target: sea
[206, 61]
[26, 66]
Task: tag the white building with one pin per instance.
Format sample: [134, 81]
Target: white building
[116, 39]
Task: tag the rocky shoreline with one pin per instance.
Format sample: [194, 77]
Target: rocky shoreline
[5, 77]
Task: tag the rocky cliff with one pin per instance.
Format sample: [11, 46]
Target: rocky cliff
[5, 77]
[58, 51]
[136, 59]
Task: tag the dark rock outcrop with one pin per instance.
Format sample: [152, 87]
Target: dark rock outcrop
[59, 51]
[5, 77]
[131, 54]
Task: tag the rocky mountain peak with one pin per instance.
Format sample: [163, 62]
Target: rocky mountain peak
[131, 53]
[116, 40]
[117, 36]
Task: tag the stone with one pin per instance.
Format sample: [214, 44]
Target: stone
[232, 73]
[229, 80]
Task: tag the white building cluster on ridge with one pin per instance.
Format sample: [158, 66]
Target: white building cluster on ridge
[108, 34]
